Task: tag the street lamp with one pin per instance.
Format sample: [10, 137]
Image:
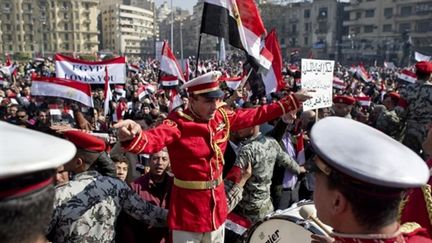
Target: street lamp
[43, 39]
[351, 38]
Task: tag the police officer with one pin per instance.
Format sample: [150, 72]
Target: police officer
[361, 177]
[27, 168]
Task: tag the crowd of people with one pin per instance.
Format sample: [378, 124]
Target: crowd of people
[150, 171]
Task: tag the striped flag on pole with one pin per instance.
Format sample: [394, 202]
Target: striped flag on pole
[272, 79]
[237, 21]
[169, 63]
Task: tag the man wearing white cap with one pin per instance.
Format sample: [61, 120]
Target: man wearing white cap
[361, 177]
[28, 162]
[196, 139]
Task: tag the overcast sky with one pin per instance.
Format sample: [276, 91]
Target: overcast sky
[184, 4]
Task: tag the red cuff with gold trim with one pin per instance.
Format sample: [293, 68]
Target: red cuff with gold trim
[289, 103]
[136, 145]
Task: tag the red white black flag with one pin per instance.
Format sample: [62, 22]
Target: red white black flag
[237, 21]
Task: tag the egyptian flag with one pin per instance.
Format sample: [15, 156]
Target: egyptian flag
[120, 110]
[119, 89]
[63, 88]
[338, 83]
[407, 76]
[169, 81]
[363, 73]
[231, 82]
[364, 101]
[273, 80]
[237, 21]
[169, 63]
[300, 151]
[133, 68]
[175, 100]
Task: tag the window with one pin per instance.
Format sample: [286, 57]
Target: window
[358, 15]
[306, 14]
[368, 28]
[370, 13]
[388, 12]
[66, 36]
[294, 28]
[306, 27]
[322, 13]
[423, 26]
[306, 41]
[387, 28]
[404, 27]
[406, 11]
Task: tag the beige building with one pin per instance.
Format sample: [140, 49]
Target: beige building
[47, 27]
[128, 30]
[388, 29]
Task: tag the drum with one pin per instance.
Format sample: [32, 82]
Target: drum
[284, 226]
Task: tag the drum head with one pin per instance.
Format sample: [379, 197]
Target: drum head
[284, 229]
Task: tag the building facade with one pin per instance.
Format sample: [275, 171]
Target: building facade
[312, 29]
[128, 30]
[46, 27]
[388, 30]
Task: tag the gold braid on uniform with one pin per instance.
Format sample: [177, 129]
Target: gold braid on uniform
[428, 200]
[214, 145]
[402, 207]
[409, 227]
[227, 123]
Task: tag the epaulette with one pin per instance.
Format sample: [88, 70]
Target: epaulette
[409, 227]
[228, 110]
[427, 194]
[183, 115]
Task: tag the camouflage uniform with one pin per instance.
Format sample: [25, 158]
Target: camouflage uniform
[390, 123]
[86, 209]
[418, 113]
[262, 152]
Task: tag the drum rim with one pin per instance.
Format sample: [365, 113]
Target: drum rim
[312, 228]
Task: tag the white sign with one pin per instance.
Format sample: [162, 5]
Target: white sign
[91, 72]
[317, 75]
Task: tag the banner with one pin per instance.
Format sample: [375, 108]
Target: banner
[317, 75]
[56, 87]
[91, 72]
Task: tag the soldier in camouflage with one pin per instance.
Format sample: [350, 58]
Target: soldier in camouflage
[262, 152]
[418, 113]
[86, 208]
[389, 119]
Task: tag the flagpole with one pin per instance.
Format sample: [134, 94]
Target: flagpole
[172, 25]
[198, 55]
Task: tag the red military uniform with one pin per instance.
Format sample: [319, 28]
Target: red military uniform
[196, 148]
[418, 207]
